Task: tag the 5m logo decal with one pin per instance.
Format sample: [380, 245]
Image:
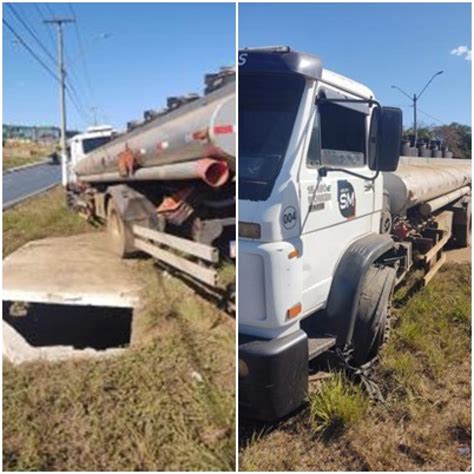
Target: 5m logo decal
[346, 199]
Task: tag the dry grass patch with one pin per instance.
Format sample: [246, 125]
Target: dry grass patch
[19, 154]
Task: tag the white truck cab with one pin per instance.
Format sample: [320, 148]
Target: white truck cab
[311, 147]
[82, 144]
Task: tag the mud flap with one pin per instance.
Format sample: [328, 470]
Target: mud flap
[273, 375]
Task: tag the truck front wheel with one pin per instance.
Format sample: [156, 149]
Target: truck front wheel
[373, 313]
[120, 234]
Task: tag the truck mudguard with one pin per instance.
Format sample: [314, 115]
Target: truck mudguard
[273, 375]
[338, 319]
[132, 205]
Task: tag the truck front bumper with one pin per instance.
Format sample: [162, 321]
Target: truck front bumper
[273, 375]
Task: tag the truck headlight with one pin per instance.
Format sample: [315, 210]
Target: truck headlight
[249, 230]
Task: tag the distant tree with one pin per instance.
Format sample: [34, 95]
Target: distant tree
[455, 136]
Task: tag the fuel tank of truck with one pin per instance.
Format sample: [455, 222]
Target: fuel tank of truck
[418, 180]
[202, 128]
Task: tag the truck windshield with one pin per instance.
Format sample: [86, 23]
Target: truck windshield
[90, 144]
[268, 104]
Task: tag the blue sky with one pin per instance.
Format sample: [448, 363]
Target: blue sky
[379, 45]
[136, 56]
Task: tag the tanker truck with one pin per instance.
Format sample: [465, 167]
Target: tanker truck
[165, 186]
[331, 219]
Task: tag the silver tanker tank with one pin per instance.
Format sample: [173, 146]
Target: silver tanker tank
[419, 180]
[201, 129]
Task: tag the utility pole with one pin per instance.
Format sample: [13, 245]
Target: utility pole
[415, 100]
[59, 22]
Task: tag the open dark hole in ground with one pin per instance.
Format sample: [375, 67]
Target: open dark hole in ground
[63, 325]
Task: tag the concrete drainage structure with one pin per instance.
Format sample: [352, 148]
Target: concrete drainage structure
[17, 350]
[79, 300]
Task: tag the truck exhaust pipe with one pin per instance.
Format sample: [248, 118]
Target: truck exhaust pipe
[214, 173]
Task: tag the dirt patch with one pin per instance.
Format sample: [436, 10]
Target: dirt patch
[459, 255]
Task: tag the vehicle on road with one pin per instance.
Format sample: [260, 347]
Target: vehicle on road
[331, 219]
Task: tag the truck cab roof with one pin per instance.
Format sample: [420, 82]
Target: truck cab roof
[347, 84]
[282, 59]
[93, 132]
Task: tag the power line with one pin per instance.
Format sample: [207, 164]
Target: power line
[45, 67]
[35, 56]
[430, 116]
[43, 18]
[80, 112]
[81, 53]
[35, 37]
[50, 10]
[74, 96]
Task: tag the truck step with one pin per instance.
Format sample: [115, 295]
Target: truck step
[318, 345]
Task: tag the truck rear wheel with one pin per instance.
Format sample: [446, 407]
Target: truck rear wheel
[373, 313]
[120, 233]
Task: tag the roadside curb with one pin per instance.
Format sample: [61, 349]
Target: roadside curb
[15, 202]
[29, 165]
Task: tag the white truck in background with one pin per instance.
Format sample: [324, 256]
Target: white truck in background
[82, 144]
[330, 221]
[166, 186]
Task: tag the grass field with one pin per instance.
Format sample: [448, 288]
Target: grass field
[19, 154]
[43, 216]
[167, 404]
[425, 377]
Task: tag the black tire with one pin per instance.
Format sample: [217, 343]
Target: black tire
[373, 314]
[120, 234]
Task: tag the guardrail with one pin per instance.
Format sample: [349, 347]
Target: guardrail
[165, 247]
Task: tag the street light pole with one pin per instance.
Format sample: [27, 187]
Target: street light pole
[62, 90]
[415, 100]
[415, 129]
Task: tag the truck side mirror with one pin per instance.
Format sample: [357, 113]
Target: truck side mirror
[384, 138]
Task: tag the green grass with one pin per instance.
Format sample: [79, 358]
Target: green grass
[424, 424]
[337, 406]
[432, 331]
[43, 216]
[141, 411]
[166, 404]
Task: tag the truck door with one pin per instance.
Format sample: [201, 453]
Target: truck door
[336, 208]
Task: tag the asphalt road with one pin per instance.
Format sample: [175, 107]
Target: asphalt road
[18, 185]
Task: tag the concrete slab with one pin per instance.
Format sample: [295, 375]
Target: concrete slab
[76, 270]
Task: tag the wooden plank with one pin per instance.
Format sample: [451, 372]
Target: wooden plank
[434, 269]
[206, 275]
[439, 246]
[206, 252]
